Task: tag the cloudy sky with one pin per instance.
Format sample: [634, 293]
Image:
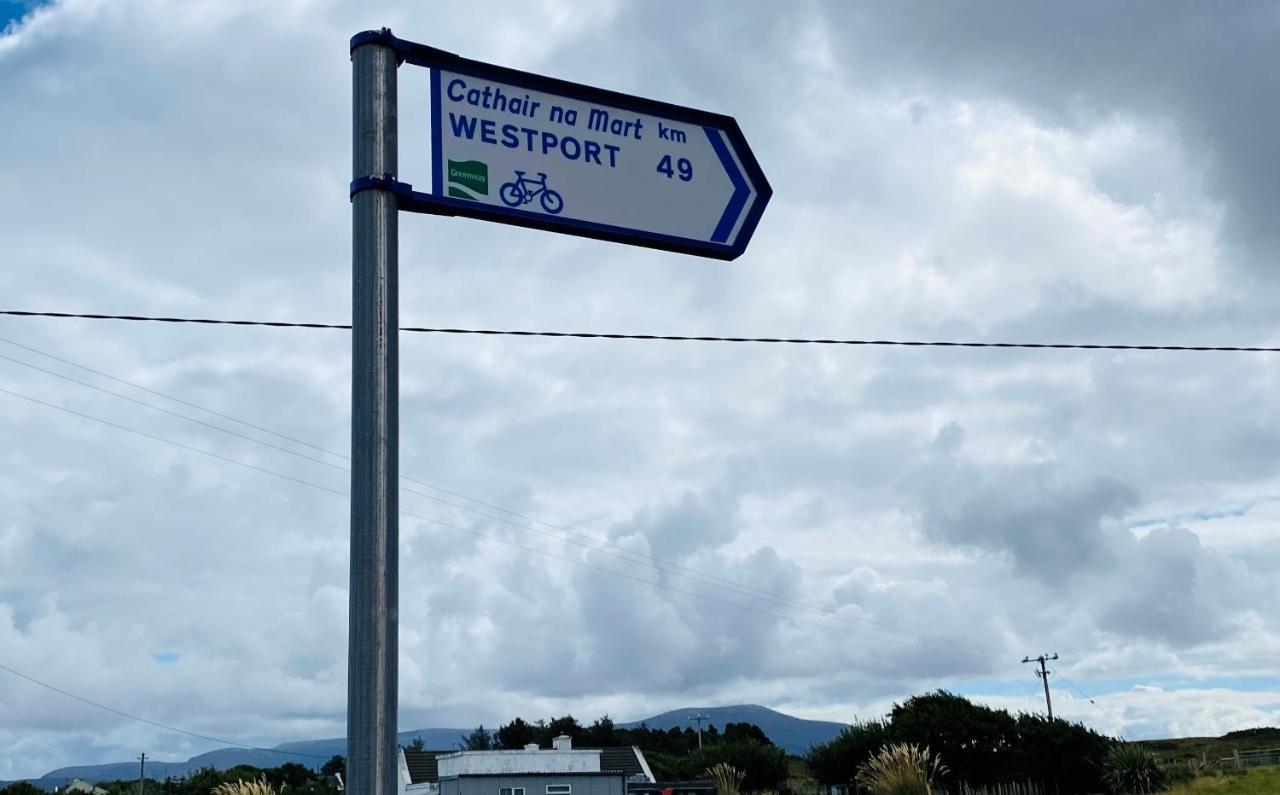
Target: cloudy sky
[820, 530]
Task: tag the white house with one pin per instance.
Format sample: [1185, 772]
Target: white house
[529, 771]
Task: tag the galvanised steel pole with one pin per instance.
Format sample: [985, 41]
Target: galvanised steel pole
[375, 429]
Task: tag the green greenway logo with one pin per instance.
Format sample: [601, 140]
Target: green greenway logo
[468, 179]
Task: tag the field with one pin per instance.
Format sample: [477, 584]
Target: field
[1214, 748]
[1259, 781]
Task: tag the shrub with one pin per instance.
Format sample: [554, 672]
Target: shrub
[837, 761]
[901, 770]
[763, 767]
[1066, 755]
[977, 741]
[242, 787]
[727, 778]
[983, 747]
[1134, 770]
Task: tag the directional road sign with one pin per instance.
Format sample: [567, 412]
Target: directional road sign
[520, 149]
[524, 149]
[571, 158]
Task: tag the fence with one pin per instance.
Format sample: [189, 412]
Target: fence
[1266, 757]
[1013, 788]
[1009, 788]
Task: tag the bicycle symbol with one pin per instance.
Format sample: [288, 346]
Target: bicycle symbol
[522, 190]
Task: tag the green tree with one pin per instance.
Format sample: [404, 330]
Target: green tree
[197, 782]
[837, 761]
[601, 734]
[764, 766]
[336, 766]
[980, 745]
[740, 732]
[290, 776]
[566, 725]
[150, 786]
[22, 788]
[680, 741]
[1068, 754]
[480, 739]
[665, 766]
[516, 735]
[974, 741]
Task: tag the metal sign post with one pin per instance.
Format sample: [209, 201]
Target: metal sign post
[372, 767]
[515, 148]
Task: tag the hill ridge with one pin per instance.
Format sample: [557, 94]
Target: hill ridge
[793, 734]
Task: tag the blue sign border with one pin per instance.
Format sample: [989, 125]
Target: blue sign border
[716, 126]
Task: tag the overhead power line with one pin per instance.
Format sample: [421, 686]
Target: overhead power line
[876, 635]
[973, 648]
[662, 337]
[787, 619]
[148, 721]
[587, 541]
[1119, 720]
[162, 439]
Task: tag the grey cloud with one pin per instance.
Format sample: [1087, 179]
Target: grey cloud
[1051, 527]
[683, 525]
[151, 167]
[1065, 532]
[1205, 67]
[1175, 590]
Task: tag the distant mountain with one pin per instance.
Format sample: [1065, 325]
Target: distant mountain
[795, 735]
[322, 750]
[312, 753]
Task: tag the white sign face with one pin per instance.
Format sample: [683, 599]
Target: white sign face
[585, 161]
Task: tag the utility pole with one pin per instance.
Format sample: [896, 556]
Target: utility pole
[142, 770]
[375, 427]
[1043, 673]
[699, 718]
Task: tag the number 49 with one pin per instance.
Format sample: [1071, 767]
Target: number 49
[682, 165]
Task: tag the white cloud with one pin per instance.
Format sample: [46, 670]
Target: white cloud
[193, 159]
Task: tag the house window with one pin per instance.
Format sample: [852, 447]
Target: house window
[510, 790]
[559, 789]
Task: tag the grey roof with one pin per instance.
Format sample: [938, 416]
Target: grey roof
[422, 765]
[621, 760]
[545, 773]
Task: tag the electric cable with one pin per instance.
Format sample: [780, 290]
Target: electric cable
[162, 439]
[148, 721]
[923, 638]
[439, 522]
[1119, 720]
[659, 337]
[593, 542]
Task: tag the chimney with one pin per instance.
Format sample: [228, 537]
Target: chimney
[531, 747]
[562, 743]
